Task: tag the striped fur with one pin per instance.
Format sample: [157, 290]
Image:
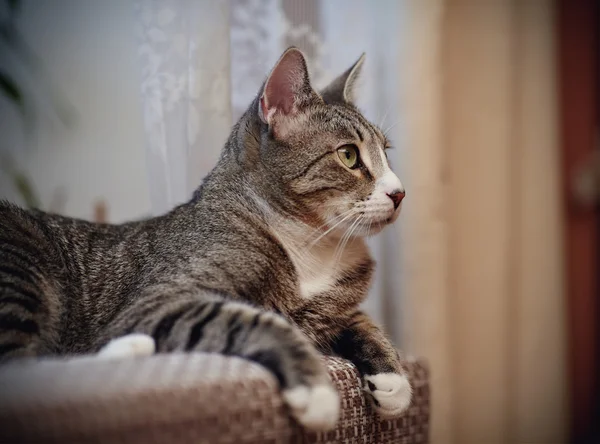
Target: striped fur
[267, 261]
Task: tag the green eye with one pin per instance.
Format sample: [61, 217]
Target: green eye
[348, 154]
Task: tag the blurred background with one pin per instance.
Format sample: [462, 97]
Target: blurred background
[115, 110]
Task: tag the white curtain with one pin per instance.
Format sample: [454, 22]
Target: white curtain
[203, 61]
[185, 85]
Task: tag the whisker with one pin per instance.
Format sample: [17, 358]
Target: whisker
[301, 252]
[338, 216]
[382, 121]
[369, 228]
[352, 230]
[318, 229]
[343, 242]
[391, 127]
[331, 228]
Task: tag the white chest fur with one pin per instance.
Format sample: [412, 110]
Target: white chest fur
[316, 273]
[320, 266]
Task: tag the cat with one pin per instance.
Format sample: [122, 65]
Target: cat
[267, 261]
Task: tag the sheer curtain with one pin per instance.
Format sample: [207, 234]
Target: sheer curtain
[203, 61]
[185, 85]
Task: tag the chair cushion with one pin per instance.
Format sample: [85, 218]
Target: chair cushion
[185, 398]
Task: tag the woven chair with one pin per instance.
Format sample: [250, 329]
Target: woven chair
[179, 398]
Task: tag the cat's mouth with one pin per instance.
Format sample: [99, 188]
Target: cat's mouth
[361, 220]
[381, 217]
[369, 225]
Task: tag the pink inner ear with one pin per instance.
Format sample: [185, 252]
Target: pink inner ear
[280, 95]
[284, 84]
[266, 112]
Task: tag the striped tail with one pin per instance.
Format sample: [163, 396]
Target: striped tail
[210, 325]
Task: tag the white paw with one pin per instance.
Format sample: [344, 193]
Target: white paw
[130, 345]
[391, 393]
[316, 408]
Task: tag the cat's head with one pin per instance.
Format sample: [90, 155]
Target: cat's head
[329, 159]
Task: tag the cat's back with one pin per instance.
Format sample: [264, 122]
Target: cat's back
[12, 216]
[61, 247]
[20, 227]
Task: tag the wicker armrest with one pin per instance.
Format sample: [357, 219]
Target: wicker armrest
[199, 398]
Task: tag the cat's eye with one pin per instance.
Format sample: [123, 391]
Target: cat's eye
[348, 154]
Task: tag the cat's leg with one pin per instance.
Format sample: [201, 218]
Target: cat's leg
[230, 328]
[29, 307]
[363, 343]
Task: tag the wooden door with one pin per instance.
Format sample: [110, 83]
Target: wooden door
[578, 57]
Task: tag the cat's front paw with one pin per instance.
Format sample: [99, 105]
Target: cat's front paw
[316, 407]
[391, 393]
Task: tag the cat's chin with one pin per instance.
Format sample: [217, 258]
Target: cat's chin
[372, 226]
[368, 229]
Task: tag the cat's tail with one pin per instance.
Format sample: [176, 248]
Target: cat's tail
[238, 329]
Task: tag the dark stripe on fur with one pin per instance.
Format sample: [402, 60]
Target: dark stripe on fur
[20, 290]
[255, 320]
[234, 328]
[309, 166]
[7, 348]
[366, 171]
[360, 135]
[9, 321]
[25, 260]
[270, 360]
[233, 320]
[196, 331]
[19, 246]
[322, 189]
[19, 273]
[165, 325]
[197, 311]
[150, 307]
[27, 304]
[350, 343]
[299, 353]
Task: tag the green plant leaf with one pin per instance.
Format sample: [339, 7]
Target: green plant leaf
[25, 188]
[10, 89]
[21, 182]
[64, 110]
[14, 5]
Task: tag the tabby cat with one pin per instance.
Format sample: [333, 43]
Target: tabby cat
[267, 261]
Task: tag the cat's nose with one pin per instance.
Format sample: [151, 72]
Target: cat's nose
[397, 196]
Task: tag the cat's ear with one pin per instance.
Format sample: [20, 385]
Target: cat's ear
[341, 90]
[287, 90]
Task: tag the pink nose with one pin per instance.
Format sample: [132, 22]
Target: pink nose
[397, 197]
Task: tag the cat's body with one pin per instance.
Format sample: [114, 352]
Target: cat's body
[258, 255]
[102, 269]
